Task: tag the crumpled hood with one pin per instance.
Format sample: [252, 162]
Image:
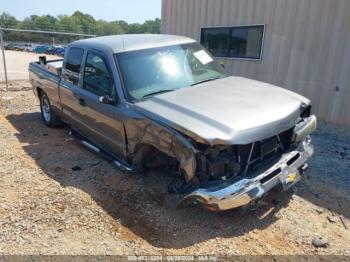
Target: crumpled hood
[232, 110]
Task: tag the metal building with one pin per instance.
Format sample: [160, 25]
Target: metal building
[302, 45]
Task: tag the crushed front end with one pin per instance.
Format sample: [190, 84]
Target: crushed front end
[233, 176]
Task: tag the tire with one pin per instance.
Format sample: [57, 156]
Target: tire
[50, 118]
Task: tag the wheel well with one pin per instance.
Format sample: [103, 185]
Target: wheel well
[39, 91]
[147, 156]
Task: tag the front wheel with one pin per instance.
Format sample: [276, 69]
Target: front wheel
[49, 117]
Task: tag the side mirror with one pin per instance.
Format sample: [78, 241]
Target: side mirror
[223, 65]
[106, 100]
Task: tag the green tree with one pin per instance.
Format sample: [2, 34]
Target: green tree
[135, 28]
[108, 28]
[7, 20]
[124, 25]
[86, 22]
[151, 26]
[76, 23]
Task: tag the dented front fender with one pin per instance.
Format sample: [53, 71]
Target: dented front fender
[144, 131]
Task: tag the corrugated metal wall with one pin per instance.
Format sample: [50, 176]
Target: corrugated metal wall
[306, 46]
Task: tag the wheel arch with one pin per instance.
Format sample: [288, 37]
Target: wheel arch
[39, 91]
[145, 135]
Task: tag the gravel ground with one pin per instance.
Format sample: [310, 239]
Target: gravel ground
[47, 208]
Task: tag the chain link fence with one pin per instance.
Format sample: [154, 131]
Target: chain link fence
[19, 47]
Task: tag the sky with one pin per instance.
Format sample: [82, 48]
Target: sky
[132, 11]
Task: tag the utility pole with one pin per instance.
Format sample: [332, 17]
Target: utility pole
[3, 56]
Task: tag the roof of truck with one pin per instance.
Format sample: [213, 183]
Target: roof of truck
[132, 42]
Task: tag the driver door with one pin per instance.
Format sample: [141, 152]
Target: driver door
[102, 117]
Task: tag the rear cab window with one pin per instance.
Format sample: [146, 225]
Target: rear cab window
[73, 64]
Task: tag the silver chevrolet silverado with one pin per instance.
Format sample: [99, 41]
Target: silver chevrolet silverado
[146, 101]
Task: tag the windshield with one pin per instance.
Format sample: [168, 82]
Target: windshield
[159, 70]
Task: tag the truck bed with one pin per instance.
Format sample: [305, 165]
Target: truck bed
[52, 66]
[47, 77]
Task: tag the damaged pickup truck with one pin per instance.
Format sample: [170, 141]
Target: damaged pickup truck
[149, 100]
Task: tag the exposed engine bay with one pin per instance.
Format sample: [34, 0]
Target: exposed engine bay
[249, 171]
[223, 162]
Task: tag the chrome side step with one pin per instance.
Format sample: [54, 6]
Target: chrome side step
[82, 140]
[90, 146]
[122, 166]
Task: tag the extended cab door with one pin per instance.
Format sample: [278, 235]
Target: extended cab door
[69, 88]
[102, 116]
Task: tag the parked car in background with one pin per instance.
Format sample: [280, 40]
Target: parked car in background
[29, 47]
[160, 100]
[60, 52]
[10, 46]
[51, 50]
[42, 49]
[56, 51]
[18, 46]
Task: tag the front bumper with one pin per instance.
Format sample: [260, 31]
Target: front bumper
[231, 194]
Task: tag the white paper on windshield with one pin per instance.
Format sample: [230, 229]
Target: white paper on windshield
[203, 57]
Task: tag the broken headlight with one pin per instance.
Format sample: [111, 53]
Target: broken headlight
[305, 111]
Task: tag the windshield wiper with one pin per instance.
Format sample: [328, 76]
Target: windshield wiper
[158, 92]
[206, 80]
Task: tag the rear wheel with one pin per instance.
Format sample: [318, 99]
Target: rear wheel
[50, 118]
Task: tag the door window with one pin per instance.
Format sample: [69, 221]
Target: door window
[96, 76]
[73, 63]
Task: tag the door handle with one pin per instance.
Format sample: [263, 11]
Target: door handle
[81, 102]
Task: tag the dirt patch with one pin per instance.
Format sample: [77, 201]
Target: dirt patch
[47, 208]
